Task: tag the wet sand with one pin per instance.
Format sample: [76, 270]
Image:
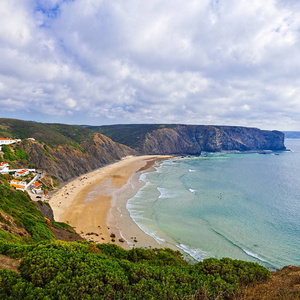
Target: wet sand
[95, 203]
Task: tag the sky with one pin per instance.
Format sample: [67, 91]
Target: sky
[96, 62]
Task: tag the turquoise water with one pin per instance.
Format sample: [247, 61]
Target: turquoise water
[239, 205]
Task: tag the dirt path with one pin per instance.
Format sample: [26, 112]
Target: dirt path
[9, 263]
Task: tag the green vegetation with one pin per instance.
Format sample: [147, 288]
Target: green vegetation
[80, 270]
[23, 130]
[53, 135]
[52, 269]
[75, 133]
[24, 214]
[8, 237]
[17, 154]
[130, 135]
[63, 226]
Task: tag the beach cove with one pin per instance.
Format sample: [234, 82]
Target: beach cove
[94, 204]
[239, 205]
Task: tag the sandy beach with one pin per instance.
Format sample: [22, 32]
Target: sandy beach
[94, 204]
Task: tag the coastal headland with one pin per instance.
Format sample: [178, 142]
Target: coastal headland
[94, 204]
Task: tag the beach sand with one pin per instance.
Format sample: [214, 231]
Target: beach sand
[95, 204]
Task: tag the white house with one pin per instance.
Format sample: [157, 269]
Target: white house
[8, 141]
[4, 167]
[19, 185]
[21, 173]
[36, 187]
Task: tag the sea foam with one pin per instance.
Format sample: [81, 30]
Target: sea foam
[253, 255]
[165, 193]
[195, 253]
[193, 191]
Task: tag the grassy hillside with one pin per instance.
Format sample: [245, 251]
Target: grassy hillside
[130, 135]
[52, 135]
[21, 220]
[63, 151]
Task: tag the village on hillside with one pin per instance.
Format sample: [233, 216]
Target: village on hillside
[33, 187]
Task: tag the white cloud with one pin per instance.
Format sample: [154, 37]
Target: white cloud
[202, 62]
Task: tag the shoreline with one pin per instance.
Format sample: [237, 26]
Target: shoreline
[94, 204]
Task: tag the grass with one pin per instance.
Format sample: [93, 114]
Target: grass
[24, 213]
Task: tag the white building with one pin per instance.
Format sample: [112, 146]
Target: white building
[19, 185]
[8, 141]
[4, 167]
[21, 173]
[36, 187]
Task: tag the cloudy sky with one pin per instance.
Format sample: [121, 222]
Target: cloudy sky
[220, 62]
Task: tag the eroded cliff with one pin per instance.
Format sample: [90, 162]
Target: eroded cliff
[64, 162]
[192, 139]
[67, 151]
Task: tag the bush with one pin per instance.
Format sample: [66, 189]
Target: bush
[17, 204]
[80, 270]
[18, 153]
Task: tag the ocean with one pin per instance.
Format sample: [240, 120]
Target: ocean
[238, 205]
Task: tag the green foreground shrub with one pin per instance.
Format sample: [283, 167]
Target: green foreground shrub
[80, 270]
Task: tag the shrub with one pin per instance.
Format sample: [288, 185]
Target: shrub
[80, 270]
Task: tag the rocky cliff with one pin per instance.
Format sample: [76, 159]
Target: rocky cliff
[63, 151]
[188, 139]
[64, 162]
[192, 139]
[67, 151]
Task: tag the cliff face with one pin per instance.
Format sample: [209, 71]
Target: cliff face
[63, 151]
[65, 162]
[192, 139]
[67, 151]
[169, 141]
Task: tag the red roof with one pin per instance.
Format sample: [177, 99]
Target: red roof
[22, 172]
[15, 181]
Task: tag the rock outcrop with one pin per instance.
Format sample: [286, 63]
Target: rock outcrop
[64, 162]
[66, 151]
[192, 139]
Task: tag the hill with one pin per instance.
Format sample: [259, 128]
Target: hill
[67, 151]
[64, 151]
[22, 221]
[191, 139]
